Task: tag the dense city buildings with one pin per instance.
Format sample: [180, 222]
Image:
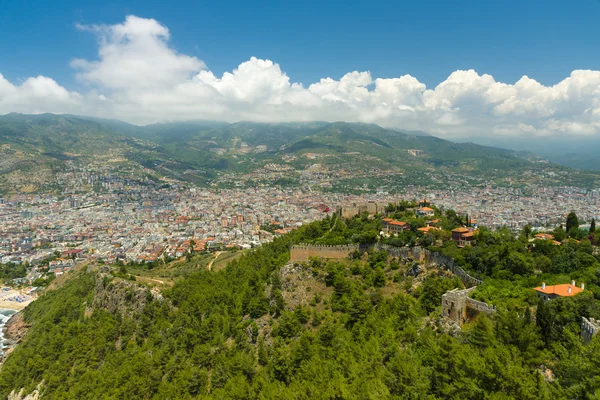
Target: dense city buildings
[134, 221]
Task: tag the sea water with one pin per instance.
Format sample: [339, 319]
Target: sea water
[4, 317]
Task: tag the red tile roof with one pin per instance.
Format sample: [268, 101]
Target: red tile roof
[462, 229]
[560, 290]
[399, 223]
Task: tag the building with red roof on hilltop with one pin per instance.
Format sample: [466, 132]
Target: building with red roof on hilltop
[391, 227]
[553, 291]
[426, 212]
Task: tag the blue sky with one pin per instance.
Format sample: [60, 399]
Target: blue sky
[545, 40]
[457, 69]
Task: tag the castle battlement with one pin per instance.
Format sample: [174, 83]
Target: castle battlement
[303, 252]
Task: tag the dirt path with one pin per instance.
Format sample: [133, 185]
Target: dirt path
[217, 254]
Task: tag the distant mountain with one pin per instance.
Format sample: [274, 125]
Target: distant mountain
[198, 151]
[34, 148]
[574, 152]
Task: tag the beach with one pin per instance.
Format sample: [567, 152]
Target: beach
[13, 299]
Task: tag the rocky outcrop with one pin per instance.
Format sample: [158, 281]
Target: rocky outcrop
[115, 294]
[35, 395]
[14, 330]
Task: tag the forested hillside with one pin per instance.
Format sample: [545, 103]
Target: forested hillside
[367, 327]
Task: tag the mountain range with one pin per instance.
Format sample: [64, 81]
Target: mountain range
[33, 148]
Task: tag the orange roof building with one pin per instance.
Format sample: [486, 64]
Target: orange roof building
[425, 211]
[463, 236]
[390, 226]
[462, 229]
[563, 290]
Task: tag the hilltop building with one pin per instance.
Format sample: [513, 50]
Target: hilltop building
[391, 227]
[463, 236]
[425, 212]
[564, 290]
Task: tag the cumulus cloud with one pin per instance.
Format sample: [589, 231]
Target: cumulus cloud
[139, 77]
[135, 54]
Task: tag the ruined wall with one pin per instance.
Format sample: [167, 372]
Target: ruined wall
[459, 307]
[304, 251]
[480, 306]
[454, 304]
[430, 258]
[415, 253]
[589, 328]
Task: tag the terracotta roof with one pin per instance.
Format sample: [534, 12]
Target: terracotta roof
[399, 223]
[462, 229]
[468, 234]
[560, 290]
[425, 229]
[544, 236]
[425, 209]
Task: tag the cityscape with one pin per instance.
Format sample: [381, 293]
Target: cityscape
[145, 223]
[260, 200]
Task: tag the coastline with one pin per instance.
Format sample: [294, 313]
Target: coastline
[15, 299]
[13, 305]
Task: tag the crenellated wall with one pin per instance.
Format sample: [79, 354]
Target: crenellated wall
[303, 252]
[456, 304]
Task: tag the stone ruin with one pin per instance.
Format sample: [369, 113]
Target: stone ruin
[303, 252]
[460, 308]
[589, 328]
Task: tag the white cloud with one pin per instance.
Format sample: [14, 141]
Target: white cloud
[36, 95]
[135, 54]
[139, 77]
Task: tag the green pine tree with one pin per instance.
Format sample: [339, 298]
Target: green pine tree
[572, 222]
[482, 334]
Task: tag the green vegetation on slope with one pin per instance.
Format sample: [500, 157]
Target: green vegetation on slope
[201, 152]
[368, 329]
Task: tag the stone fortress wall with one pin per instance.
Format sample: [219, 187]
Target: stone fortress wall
[589, 328]
[456, 304]
[459, 307]
[430, 258]
[303, 252]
